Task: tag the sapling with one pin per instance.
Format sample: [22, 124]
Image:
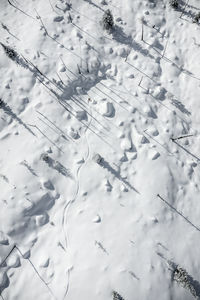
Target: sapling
[97, 158]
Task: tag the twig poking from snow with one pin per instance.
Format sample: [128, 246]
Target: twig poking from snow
[181, 137]
[79, 70]
[142, 36]
[179, 213]
[140, 81]
[101, 247]
[165, 48]
[70, 18]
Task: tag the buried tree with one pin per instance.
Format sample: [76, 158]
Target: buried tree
[108, 22]
[173, 3]
[181, 276]
[117, 296]
[12, 54]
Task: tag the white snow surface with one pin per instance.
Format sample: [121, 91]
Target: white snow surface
[72, 227]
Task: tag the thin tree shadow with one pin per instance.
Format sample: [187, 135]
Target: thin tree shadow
[94, 4]
[181, 69]
[66, 94]
[155, 140]
[103, 163]
[151, 46]
[99, 244]
[86, 33]
[179, 213]
[9, 1]
[85, 16]
[35, 126]
[194, 156]
[36, 271]
[72, 112]
[182, 8]
[120, 36]
[141, 72]
[88, 82]
[6, 108]
[56, 165]
[7, 29]
[133, 275]
[180, 106]
[187, 4]
[156, 99]
[25, 164]
[63, 134]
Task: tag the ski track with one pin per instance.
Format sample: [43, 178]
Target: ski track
[69, 204]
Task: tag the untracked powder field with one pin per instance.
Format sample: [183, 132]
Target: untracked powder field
[99, 149]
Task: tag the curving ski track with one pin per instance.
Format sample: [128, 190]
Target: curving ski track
[68, 205]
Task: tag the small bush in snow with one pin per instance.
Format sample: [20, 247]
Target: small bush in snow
[181, 276]
[108, 20]
[173, 3]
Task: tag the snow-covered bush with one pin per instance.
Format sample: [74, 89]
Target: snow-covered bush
[173, 3]
[108, 20]
[97, 158]
[45, 157]
[181, 276]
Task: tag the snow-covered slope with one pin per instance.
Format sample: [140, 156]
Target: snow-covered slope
[97, 194]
